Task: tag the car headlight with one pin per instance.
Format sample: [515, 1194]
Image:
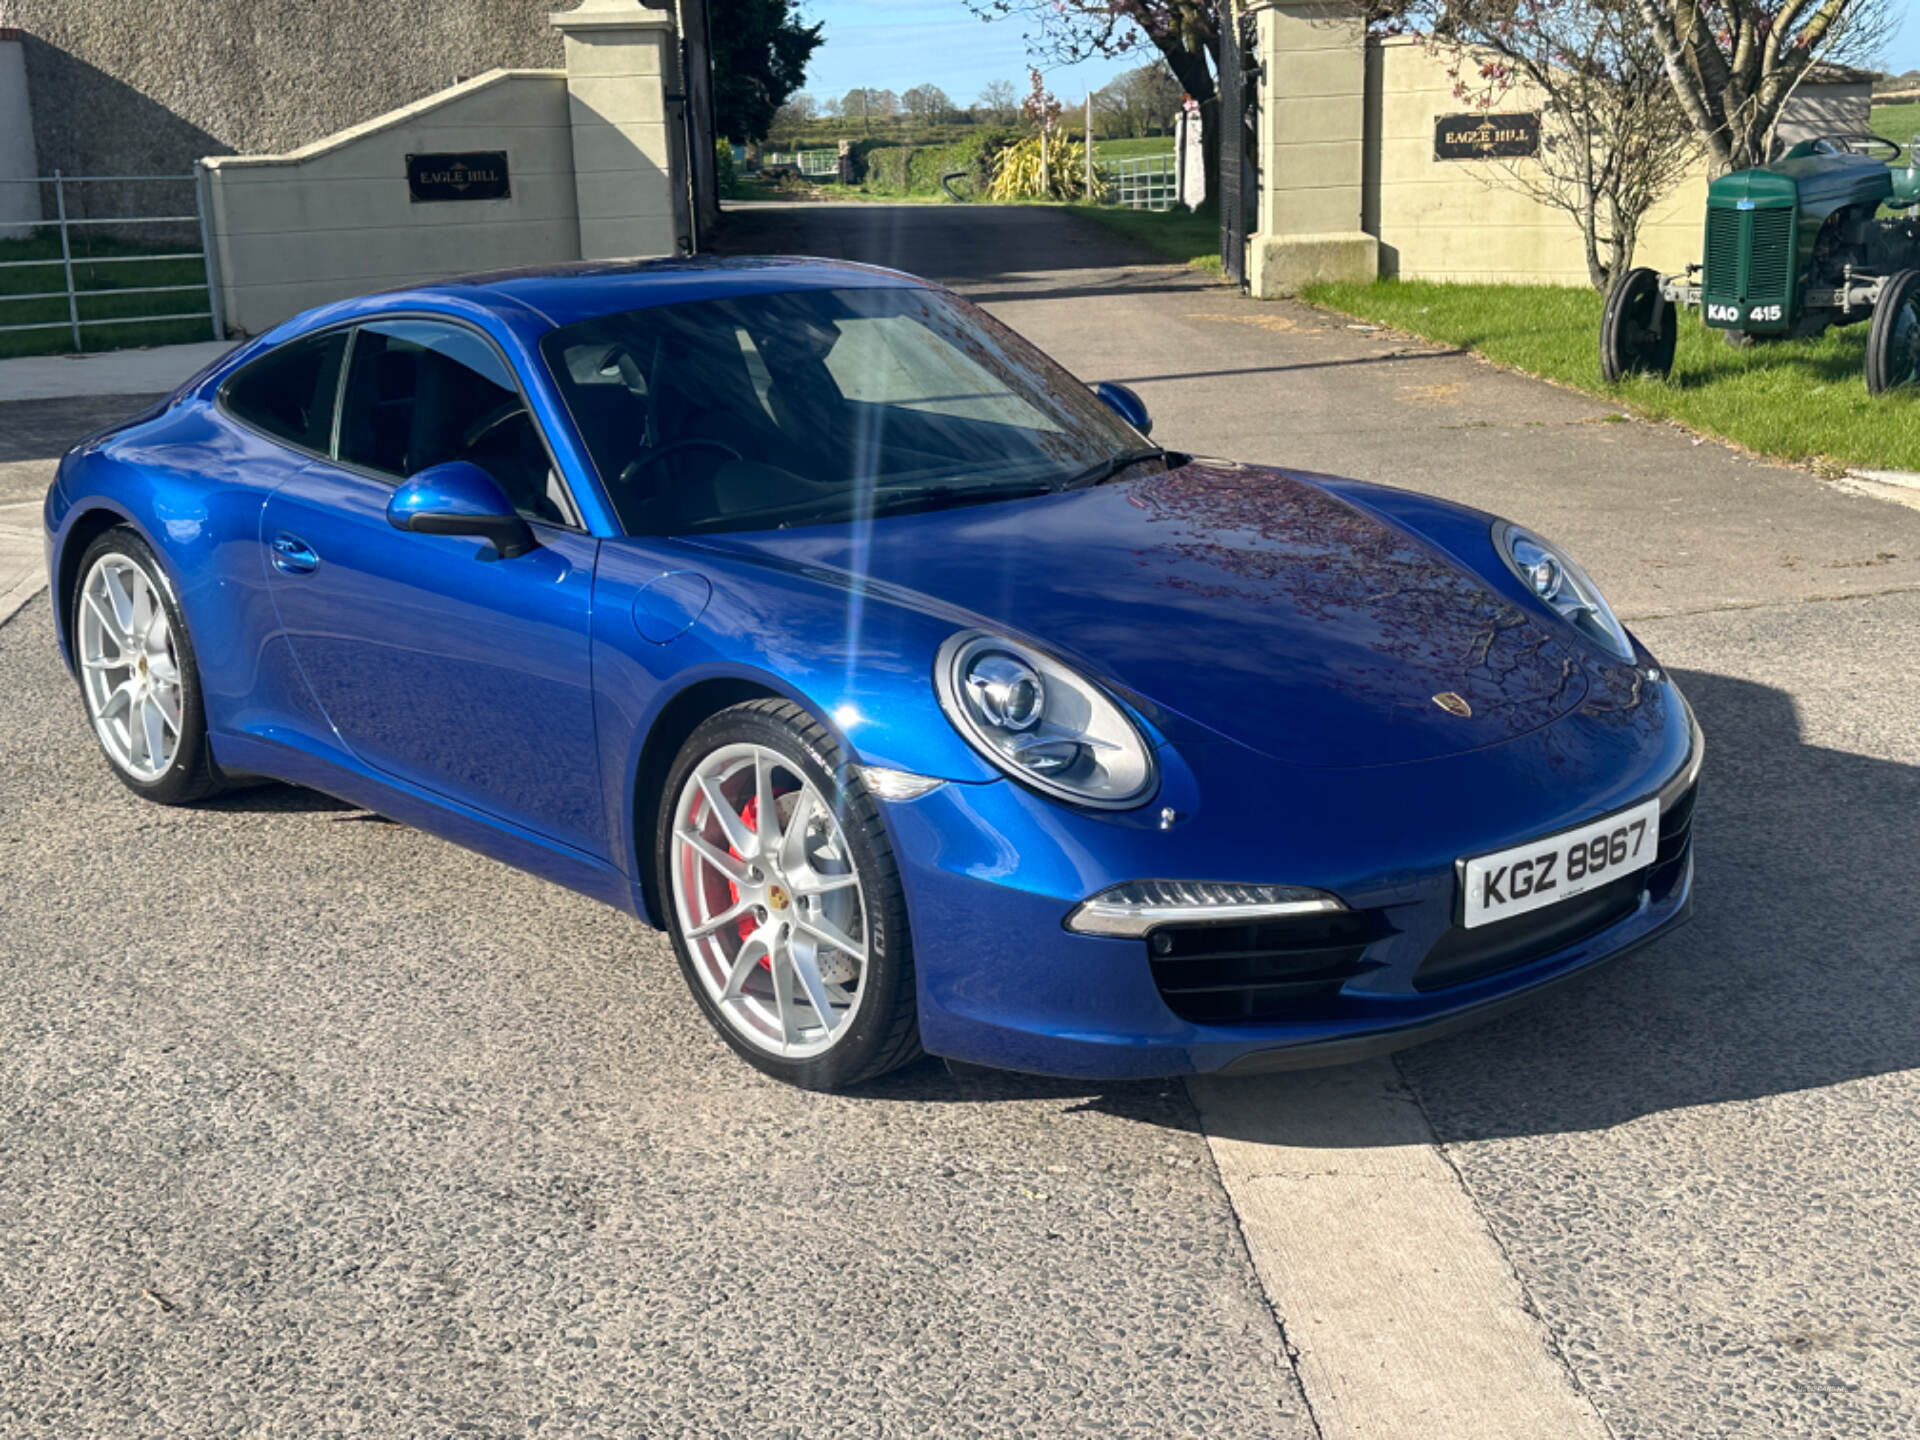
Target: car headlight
[1549, 572]
[1042, 723]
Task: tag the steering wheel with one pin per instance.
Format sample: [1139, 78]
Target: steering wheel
[638, 467]
[1850, 144]
[490, 422]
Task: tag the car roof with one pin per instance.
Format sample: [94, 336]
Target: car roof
[588, 289]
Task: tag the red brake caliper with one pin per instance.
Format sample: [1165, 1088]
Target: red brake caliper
[749, 816]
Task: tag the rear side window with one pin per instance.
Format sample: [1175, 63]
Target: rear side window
[289, 391]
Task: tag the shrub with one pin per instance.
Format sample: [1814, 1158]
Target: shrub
[725, 172]
[1017, 172]
[894, 169]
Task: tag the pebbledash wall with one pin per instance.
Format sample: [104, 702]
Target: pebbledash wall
[136, 87]
[1351, 188]
[594, 171]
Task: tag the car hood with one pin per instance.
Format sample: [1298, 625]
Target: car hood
[1249, 601]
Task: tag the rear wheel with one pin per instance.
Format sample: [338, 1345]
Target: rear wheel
[783, 899]
[1893, 344]
[137, 674]
[1638, 329]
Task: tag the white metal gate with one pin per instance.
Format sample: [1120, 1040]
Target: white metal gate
[1140, 182]
[73, 267]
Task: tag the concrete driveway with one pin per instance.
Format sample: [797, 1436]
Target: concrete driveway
[310, 1124]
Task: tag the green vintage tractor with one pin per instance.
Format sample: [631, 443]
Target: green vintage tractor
[1791, 248]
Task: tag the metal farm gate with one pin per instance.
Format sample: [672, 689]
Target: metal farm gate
[71, 257]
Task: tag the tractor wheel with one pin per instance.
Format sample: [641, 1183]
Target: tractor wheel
[1893, 344]
[1639, 328]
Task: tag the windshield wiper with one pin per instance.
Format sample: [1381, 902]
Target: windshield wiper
[1110, 467]
[943, 497]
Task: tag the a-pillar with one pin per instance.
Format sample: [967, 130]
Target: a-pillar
[1312, 148]
[627, 167]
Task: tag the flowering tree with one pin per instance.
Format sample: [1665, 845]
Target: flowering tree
[1185, 32]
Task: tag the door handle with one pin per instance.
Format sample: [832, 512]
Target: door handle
[294, 556]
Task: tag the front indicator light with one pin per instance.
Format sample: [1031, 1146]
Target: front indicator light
[1133, 909]
[896, 784]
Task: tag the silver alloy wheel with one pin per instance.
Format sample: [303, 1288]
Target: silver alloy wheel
[768, 901]
[128, 669]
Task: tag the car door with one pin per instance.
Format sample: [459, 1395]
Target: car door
[436, 661]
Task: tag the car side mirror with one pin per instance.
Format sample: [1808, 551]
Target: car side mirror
[1127, 405]
[459, 498]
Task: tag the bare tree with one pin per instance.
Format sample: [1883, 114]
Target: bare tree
[1735, 63]
[1000, 101]
[1143, 101]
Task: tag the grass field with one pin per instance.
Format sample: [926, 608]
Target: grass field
[18, 280]
[1898, 123]
[1126, 149]
[1803, 400]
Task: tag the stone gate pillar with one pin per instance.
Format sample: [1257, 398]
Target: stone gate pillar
[628, 167]
[1312, 144]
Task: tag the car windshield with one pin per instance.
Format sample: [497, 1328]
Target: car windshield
[816, 406]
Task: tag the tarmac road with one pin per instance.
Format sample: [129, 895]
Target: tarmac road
[311, 1124]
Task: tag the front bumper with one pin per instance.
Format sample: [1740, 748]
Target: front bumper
[991, 871]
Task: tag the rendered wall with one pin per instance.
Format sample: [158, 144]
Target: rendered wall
[1843, 109]
[1460, 219]
[336, 218]
[1330, 137]
[18, 201]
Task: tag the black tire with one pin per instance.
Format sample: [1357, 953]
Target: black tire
[883, 1033]
[1639, 328]
[191, 774]
[1893, 344]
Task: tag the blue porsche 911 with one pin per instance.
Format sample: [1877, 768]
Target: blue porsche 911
[804, 611]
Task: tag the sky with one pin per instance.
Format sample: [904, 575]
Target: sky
[896, 44]
[1903, 53]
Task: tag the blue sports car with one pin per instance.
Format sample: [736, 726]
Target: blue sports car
[804, 611]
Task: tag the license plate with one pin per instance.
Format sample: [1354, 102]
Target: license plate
[1544, 872]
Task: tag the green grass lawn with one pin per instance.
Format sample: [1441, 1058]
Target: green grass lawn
[1127, 149]
[1191, 237]
[17, 281]
[1899, 123]
[1798, 400]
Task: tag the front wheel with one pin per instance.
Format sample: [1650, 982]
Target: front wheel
[1638, 329]
[137, 674]
[783, 900]
[1893, 344]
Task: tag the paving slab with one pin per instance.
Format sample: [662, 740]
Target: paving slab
[110, 372]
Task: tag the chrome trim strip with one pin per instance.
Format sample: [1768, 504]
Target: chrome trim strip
[1105, 917]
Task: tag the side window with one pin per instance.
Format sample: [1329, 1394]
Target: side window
[421, 393]
[288, 392]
